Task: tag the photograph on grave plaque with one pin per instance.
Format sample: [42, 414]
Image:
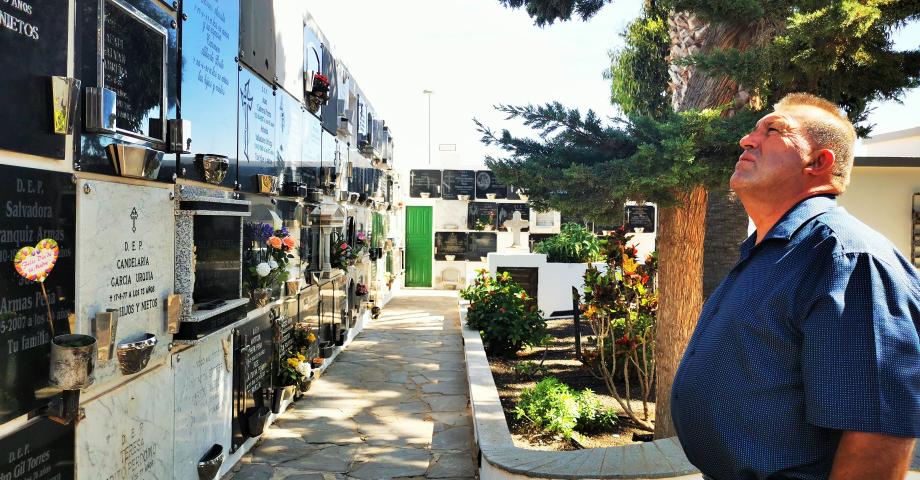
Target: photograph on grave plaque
[488, 185]
[455, 183]
[450, 243]
[210, 35]
[425, 183]
[640, 217]
[42, 450]
[38, 204]
[134, 56]
[482, 216]
[506, 212]
[34, 48]
[257, 124]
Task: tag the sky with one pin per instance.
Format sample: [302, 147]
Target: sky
[474, 54]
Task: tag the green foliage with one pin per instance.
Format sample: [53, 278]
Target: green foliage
[556, 408]
[545, 12]
[586, 168]
[638, 71]
[573, 244]
[529, 369]
[500, 310]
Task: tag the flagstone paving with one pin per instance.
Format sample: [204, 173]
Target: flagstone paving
[394, 404]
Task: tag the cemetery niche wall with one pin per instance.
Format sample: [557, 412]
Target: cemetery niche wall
[187, 121]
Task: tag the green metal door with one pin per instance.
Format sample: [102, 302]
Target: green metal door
[419, 239]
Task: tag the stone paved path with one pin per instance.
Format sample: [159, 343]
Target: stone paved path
[393, 405]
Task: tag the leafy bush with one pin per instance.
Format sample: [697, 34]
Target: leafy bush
[573, 244]
[500, 311]
[556, 408]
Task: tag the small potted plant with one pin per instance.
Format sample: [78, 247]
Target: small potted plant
[361, 291]
[296, 373]
[318, 94]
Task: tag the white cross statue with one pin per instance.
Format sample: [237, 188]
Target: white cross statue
[514, 226]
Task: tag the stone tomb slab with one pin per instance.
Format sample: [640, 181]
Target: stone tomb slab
[126, 234]
[129, 432]
[42, 450]
[204, 383]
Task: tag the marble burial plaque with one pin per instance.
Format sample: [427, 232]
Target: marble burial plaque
[34, 48]
[289, 133]
[311, 156]
[481, 244]
[640, 216]
[450, 243]
[129, 433]
[506, 212]
[257, 124]
[36, 204]
[289, 38]
[330, 150]
[487, 183]
[204, 385]
[425, 181]
[210, 35]
[257, 37]
[486, 213]
[42, 450]
[134, 50]
[126, 236]
[458, 182]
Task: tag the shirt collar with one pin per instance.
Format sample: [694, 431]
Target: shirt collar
[793, 219]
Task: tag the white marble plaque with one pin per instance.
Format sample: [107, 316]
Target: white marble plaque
[204, 388]
[128, 434]
[126, 240]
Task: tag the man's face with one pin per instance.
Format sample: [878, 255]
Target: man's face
[775, 153]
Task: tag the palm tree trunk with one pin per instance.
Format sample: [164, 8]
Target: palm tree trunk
[681, 231]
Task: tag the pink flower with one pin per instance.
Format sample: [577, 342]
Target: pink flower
[343, 246]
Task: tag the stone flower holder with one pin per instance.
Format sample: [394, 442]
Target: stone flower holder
[73, 359]
[210, 463]
[280, 395]
[464, 198]
[490, 196]
[260, 296]
[133, 356]
[212, 168]
[326, 348]
[256, 420]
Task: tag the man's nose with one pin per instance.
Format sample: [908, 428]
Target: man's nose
[748, 141]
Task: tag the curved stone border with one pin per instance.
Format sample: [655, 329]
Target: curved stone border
[501, 459]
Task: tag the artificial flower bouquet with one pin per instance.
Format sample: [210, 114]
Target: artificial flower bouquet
[268, 256]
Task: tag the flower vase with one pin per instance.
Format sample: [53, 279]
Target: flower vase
[260, 296]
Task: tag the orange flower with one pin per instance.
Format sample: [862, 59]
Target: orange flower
[274, 242]
[288, 242]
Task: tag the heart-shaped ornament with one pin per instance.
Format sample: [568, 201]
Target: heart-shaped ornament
[35, 263]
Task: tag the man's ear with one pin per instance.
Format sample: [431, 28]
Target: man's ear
[821, 163]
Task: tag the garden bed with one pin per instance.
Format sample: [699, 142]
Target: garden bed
[511, 377]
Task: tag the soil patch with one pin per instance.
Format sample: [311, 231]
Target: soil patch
[561, 362]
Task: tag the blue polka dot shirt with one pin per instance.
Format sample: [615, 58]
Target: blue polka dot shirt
[813, 332]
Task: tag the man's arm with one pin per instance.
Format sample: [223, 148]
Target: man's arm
[877, 456]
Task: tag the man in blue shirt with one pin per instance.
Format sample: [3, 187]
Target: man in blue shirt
[805, 362]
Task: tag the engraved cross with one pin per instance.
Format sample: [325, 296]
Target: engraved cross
[134, 219]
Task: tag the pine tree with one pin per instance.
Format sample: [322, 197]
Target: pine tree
[724, 61]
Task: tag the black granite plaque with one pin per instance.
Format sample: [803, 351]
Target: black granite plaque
[450, 243]
[284, 336]
[134, 50]
[257, 137]
[218, 259]
[458, 182]
[640, 216]
[289, 139]
[33, 47]
[256, 354]
[487, 184]
[210, 36]
[481, 244]
[527, 277]
[506, 212]
[257, 37]
[42, 450]
[485, 213]
[425, 181]
[36, 204]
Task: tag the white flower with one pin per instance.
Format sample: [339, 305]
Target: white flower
[263, 269]
[273, 264]
[304, 369]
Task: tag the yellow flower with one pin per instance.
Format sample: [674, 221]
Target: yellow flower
[629, 265]
[592, 310]
[311, 337]
[293, 362]
[301, 357]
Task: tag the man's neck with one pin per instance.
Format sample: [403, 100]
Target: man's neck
[765, 212]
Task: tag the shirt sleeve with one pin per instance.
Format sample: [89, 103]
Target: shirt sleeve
[860, 348]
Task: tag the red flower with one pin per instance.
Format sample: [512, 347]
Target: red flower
[644, 279]
[343, 246]
[623, 341]
[502, 310]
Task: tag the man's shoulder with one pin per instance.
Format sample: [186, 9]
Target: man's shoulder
[850, 236]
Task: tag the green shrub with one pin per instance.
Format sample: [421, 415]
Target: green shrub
[573, 244]
[556, 408]
[500, 310]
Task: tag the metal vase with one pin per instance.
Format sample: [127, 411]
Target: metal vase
[73, 359]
